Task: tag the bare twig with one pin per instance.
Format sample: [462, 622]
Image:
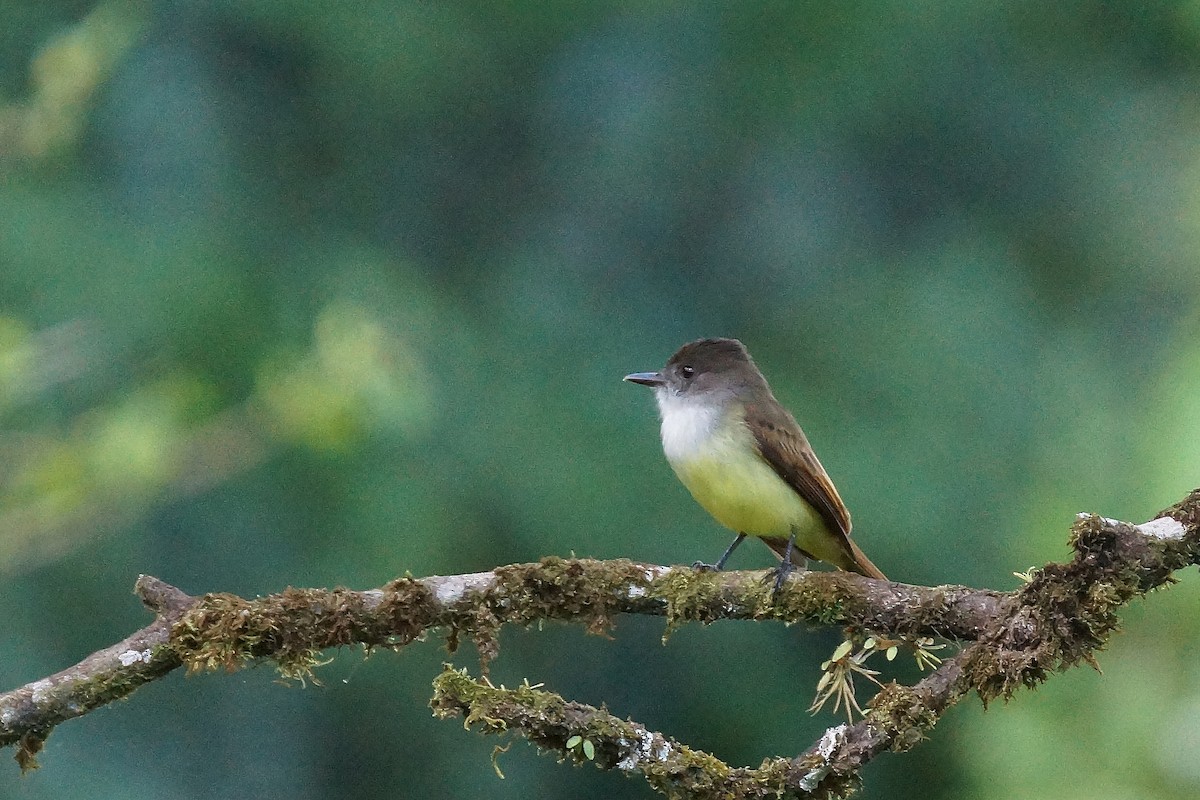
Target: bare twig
[28, 714]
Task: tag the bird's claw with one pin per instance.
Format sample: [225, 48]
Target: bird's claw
[782, 572]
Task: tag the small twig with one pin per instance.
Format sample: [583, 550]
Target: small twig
[28, 714]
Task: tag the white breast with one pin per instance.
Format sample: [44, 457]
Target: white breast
[687, 426]
[712, 453]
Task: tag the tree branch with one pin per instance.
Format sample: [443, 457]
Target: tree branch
[1059, 619]
[1056, 621]
[294, 626]
[28, 714]
[583, 733]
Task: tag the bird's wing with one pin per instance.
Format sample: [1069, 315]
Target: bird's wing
[784, 446]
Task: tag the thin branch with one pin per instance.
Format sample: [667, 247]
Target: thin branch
[294, 626]
[1058, 620]
[582, 733]
[28, 714]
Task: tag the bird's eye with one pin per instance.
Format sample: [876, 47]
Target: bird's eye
[687, 371]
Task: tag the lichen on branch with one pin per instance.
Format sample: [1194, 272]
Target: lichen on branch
[1059, 619]
[581, 733]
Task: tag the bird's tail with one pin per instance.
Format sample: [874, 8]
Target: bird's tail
[862, 565]
[855, 560]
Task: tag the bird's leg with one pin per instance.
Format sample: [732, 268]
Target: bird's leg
[785, 566]
[720, 565]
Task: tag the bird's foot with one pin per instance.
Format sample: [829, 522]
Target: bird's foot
[782, 572]
[701, 566]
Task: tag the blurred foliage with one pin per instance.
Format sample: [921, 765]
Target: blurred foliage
[315, 294]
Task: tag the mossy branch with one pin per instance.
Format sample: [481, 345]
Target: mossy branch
[582, 733]
[294, 626]
[1058, 620]
[28, 714]
[1065, 613]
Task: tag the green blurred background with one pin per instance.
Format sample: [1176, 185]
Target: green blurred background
[317, 294]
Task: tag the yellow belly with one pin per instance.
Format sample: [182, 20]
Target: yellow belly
[713, 453]
[745, 494]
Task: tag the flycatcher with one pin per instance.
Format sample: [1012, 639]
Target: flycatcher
[746, 461]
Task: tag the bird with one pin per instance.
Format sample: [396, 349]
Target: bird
[746, 461]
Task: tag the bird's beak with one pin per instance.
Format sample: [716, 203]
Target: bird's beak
[646, 378]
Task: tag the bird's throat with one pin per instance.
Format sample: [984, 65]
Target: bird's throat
[689, 424]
